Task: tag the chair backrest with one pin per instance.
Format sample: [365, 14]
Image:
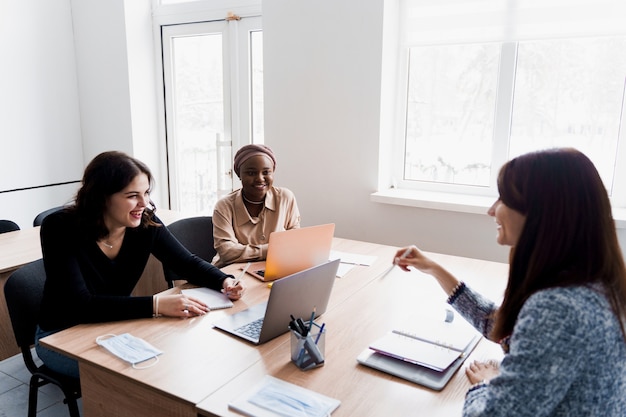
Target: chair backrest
[39, 218]
[8, 226]
[196, 234]
[23, 292]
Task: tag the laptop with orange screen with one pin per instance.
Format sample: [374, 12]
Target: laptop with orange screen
[294, 250]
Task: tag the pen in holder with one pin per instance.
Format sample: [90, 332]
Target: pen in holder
[308, 351]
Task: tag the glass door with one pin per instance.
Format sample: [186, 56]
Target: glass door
[212, 76]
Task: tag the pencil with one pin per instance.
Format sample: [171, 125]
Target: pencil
[317, 339]
[311, 321]
[243, 272]
[404, 255]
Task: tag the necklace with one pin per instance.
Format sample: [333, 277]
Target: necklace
[117, 238]
[253, 202]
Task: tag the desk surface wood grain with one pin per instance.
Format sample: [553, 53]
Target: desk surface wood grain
[19, 248]
[379, 306]
[202, 368]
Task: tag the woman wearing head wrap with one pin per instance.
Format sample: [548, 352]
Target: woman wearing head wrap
[244, 219]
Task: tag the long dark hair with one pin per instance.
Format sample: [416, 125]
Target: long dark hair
[107, 174]
[569, 236]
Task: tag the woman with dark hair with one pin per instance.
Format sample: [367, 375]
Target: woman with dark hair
[95, 251]
[562, 320]
[244, 219]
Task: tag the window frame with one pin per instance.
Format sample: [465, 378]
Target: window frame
[236, 94]
[393, 189]
[181, 13]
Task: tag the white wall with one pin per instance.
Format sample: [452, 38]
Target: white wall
[322, 70]
[116, 68]
[100, 40]
[79, 80]
[39, 108]
[322, 85]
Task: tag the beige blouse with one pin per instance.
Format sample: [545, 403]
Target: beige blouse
[238, 237]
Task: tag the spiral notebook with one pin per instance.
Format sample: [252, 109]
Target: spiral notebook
[428, 354]
[214, 299]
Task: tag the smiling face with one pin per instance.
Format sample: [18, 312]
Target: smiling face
[257, 176]
[125, 208]
[510, 223]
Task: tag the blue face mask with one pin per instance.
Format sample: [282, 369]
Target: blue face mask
[291, 401]
[129, 348]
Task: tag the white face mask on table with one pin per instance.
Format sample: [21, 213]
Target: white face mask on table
[284, 401]
[129, 348]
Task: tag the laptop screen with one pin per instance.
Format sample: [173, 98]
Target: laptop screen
[298, 295]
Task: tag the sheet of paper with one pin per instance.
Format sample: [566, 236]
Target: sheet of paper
[344, 269]
[352, 258]
[214, 299]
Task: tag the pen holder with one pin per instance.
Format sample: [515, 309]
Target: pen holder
[308, 352]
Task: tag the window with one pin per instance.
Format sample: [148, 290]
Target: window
[570, 92]
[451, 106]
[483, 83]
[213, 78]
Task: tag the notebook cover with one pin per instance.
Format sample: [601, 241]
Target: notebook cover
[415, 373]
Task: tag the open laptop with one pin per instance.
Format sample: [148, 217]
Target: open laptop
[298, 295]
[294, 250]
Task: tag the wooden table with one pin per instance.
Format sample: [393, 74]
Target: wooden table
[197, 360]
[203, 369]
[23, 246]
[378, 307]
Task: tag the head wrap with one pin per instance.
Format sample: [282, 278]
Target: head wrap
[248, 151]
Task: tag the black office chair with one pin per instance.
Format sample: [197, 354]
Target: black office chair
[39, 218]
[8, 226]
[196, 234]
[23, 292]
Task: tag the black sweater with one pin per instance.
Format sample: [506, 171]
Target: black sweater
[84, 286]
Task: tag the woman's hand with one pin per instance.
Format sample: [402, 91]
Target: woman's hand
[179, 305]
[412, 256]
[233, 289]
[482, 371]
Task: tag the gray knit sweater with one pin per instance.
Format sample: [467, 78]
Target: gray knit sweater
[567, 357]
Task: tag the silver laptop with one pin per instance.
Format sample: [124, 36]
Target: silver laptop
[298, 295]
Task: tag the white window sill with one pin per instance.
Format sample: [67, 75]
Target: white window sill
[462, 203]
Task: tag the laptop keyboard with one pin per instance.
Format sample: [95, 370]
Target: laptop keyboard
[260, 272]
[252, 329]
